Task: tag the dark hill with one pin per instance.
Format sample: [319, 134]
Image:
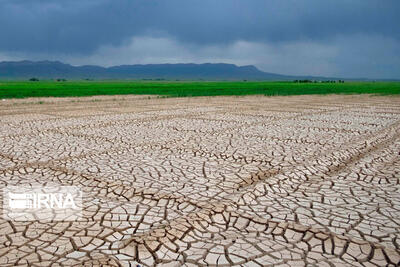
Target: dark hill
[55, 69]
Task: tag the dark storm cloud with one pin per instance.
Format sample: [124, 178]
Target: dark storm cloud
[320, 37]
[81, 26]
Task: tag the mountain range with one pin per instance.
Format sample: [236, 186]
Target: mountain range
[16, 70]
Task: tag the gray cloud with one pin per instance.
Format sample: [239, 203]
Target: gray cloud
[356, 38]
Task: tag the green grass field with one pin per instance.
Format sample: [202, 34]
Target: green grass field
[20, 89]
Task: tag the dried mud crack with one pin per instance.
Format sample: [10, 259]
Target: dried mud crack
[220, 181]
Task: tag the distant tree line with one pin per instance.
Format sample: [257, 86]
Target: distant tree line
[315, 81]
[156, 79]
[36, 80]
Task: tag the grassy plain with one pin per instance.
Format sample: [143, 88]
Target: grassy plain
[21, 89]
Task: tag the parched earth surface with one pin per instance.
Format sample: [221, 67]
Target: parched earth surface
[251, 181]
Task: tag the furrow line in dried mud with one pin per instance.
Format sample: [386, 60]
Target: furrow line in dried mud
[374, 143]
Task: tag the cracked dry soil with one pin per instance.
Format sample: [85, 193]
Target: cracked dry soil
[221, 181]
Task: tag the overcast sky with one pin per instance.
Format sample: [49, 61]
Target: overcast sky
[343, 38]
